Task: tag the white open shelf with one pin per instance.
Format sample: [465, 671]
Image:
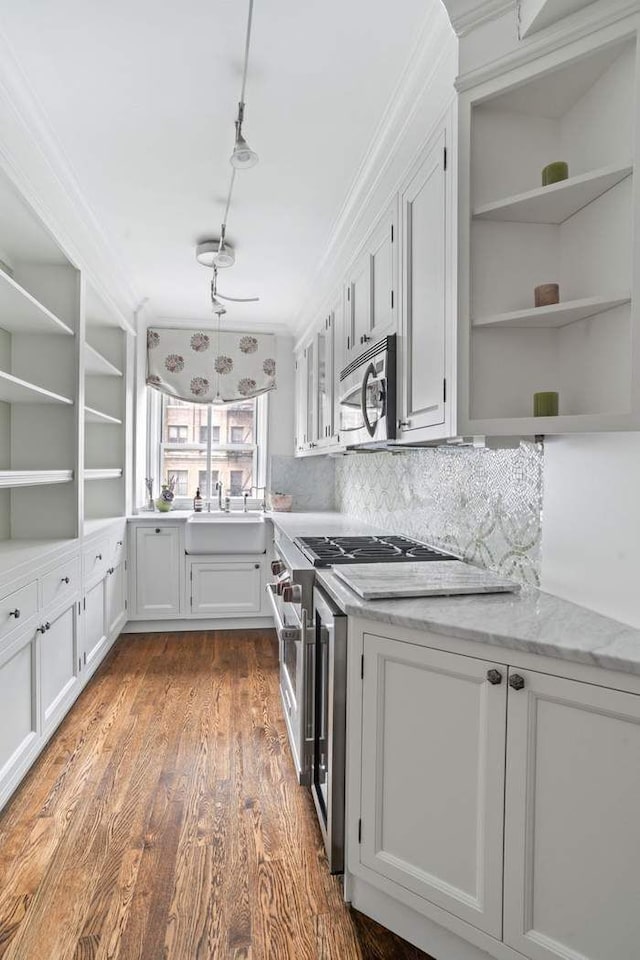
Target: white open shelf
[556, 315]
[31, 478]
[22, 313]
[106, 474]
[97, 365]
[97, 416]
[14, 390]
[556, 203]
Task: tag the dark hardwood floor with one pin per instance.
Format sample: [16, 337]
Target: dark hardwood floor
[164, 821]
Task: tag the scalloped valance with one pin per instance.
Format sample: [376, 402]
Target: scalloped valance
[210, 366]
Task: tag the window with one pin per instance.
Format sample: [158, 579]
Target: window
[177, 434]
[215, 434]
[236, 483]
[202, 481]
[237, 457]
[182, 481]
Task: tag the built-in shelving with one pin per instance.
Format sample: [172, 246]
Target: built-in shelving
[556, 203]
[31, 478]
[20, 312]
[95, 364]
[97, 416]
[106, 474]
[557, 315]
[15, 390]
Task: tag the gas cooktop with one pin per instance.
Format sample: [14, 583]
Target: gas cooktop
[327, 551]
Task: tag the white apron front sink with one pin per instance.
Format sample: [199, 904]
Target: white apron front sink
[228, 533]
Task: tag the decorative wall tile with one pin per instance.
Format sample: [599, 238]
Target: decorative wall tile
[311, 481]
[484, 505]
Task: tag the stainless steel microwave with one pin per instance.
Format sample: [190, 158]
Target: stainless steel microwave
[367, 403]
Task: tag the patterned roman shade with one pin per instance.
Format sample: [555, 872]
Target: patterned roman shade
[210, 366]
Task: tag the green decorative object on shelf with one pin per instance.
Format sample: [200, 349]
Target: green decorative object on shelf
[555, 172]
[546, 404]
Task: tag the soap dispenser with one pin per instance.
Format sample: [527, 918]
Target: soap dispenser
[197, 502]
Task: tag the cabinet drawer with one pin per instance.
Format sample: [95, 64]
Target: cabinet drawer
[95, 560]
[117, 549]
[62, 582]
[18, 607]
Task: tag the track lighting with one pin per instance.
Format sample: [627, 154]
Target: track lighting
[216, 252]
[243, 156]
[218, 307]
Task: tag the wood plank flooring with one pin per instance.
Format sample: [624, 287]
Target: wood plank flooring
[164, 821]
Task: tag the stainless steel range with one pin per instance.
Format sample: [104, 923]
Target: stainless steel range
[312, 634]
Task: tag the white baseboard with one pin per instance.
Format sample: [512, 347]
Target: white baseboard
[193, 625]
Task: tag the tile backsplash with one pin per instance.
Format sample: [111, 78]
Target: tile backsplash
[310, 480]
[485, 505]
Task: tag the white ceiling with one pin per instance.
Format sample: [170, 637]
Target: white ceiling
[142, 95]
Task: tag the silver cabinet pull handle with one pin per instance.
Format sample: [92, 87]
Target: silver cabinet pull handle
[15, 613]
[98, 556]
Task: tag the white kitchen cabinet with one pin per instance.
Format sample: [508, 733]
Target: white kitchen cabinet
[371, 287]
[300, 388]
[116, 598]
[94, 623]
[225, 587]
[433, 740]
[572, 845]
[59, 666]
[423, 393]
[158, 563]
[19, 726]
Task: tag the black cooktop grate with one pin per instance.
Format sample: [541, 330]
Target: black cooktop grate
[327, 551]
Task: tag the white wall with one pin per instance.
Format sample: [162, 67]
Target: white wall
[591, 522]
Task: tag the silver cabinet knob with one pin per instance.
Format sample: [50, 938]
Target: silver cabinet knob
[98, 556]
[65, 580]
[15, 613]
[404, 424]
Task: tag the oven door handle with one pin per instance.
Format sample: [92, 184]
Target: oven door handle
[283, 631]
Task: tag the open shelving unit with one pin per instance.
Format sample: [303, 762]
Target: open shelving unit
[579, 233]
[39, 320]
[105, 411]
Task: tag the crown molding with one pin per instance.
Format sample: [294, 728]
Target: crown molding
[33, 160]
[473, 16]
[432, 46]
[597, 17]
[211, 325]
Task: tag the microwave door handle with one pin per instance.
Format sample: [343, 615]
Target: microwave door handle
[371, 371]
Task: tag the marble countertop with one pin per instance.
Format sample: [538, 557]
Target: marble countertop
[532, 621]
[322, 524]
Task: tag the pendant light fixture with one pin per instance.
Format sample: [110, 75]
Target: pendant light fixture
[218, 307]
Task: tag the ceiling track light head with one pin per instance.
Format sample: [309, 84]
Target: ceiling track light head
[243, 157]
[216, 252]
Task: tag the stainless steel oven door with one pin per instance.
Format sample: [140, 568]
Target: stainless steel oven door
[328, 761]
[296, 644]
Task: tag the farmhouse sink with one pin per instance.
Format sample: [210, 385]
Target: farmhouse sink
[211, 533]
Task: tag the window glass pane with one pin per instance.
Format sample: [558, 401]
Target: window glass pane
[184, 446]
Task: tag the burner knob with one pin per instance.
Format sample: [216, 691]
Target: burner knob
[277, 567]
[292, 594]
[281, 585]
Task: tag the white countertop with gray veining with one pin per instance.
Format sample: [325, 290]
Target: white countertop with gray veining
[319, 524]
[532, 621]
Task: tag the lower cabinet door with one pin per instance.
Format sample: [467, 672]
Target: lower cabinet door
[18, 708]
[58, 661]
[219, 589]
[116, 599]
[432, 803]
[94, 634]
[572, 841]
[158, 564]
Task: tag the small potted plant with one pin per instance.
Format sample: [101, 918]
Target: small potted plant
[164, 503]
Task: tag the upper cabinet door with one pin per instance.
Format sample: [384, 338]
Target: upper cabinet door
[424, 299]
[572, 845]
[382, 265]
[325, 349]
[301, 403]
[359, 305]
